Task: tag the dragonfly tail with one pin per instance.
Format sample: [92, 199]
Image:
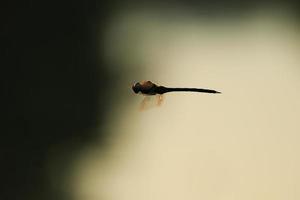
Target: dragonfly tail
[190, 90]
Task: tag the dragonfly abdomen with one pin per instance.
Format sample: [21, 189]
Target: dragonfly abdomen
[165, 90]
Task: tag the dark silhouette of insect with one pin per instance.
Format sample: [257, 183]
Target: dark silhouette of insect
[148, 88]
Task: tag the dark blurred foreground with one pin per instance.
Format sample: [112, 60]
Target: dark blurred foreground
[53, 84]
[56, 87]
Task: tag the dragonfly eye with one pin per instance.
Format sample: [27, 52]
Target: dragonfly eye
[136, 88]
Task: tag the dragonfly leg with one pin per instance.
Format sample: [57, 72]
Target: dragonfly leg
[159, 99]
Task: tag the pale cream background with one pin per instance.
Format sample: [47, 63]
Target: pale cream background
[241, 145]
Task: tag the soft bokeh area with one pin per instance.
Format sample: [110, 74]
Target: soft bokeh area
[72, 128]
[242, 144]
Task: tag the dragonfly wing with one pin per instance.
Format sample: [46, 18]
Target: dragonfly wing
[145, 103]
[148, 102]
[159, 99]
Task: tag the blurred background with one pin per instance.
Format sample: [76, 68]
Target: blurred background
[72, 129]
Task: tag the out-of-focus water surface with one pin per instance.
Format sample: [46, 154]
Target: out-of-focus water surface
[242, 144]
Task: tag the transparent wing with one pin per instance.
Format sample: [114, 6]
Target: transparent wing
[150, 102]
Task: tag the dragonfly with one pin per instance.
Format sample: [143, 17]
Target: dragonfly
[147, 88]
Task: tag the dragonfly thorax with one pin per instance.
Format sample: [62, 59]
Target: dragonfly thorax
[146, 87]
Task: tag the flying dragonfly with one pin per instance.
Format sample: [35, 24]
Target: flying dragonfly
[147, 88]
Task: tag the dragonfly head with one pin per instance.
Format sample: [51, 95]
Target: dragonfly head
[136, 87]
